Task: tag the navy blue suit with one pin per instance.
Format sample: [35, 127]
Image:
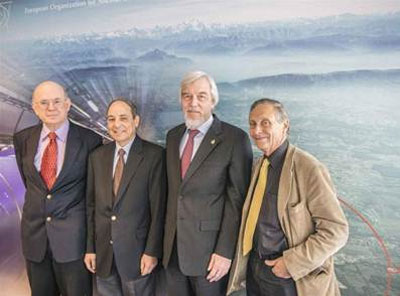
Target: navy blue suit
[54, 221]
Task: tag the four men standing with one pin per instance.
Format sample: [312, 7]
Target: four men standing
[291, 221]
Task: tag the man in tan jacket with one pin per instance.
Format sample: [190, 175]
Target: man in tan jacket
[292, 222]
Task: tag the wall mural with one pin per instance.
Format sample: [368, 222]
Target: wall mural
[335, 66]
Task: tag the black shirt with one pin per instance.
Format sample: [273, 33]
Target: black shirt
[269, 240]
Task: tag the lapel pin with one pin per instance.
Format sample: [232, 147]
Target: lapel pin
[212, 141]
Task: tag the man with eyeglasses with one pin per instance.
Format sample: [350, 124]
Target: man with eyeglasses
[52, 159]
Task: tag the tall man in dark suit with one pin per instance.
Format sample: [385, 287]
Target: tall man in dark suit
[208, 168]
[125, 207]
[52, 159]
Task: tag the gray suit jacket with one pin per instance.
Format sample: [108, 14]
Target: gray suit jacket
[64, 203]
[203, 209]
[138, 210]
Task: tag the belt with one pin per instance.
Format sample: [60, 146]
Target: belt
[263, 257]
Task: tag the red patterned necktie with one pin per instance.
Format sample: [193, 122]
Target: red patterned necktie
[48, 168]
[187, 152]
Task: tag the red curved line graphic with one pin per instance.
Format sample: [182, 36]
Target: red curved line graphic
[390, 269]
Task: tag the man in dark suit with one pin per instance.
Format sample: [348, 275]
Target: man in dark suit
[52, 159]
[208, 168]
[125, 207]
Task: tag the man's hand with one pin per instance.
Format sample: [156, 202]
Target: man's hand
[279, 267]
[218, 267]
[147, 264]
[90, 262]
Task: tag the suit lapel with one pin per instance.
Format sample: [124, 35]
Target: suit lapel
[108, 161]
[33, 142]
[72, 148]
[285, 182]
[247, 202]
[254, 179]
[135, 157]
[174, 161]
[210, 141]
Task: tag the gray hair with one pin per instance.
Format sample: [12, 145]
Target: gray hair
[191, 77]
[280, 112]
[130, 103]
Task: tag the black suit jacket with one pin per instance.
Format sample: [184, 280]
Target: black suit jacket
[204, 209]
[138, 210]
[64, 203]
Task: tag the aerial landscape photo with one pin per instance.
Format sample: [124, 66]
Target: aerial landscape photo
[337, 73]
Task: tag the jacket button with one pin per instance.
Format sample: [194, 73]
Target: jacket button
[48, 219]
[48, 196]
[111, 242]
[113, 218]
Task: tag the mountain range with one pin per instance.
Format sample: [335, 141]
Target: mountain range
[334, 33]
[340, 78]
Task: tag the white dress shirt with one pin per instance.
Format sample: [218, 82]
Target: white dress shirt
[203, 129]
[126, 148]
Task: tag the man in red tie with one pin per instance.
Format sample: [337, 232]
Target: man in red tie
[52, 158]
[208, 168]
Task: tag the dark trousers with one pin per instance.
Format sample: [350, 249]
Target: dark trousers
[179, 284]
[50, 278]
[261, 281]
[114, 285]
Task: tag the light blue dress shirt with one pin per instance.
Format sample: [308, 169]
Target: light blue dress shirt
[62, 134]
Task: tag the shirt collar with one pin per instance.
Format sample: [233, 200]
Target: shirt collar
[126, 148]
[205, 126]
[278, 155]
[61, 132]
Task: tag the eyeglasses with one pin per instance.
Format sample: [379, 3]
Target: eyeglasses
[57, 103]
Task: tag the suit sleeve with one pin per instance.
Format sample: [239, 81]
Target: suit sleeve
[331, 227]
[95, 142]
[18, 156]
[90, 208]
[238, 179]
[157, 198]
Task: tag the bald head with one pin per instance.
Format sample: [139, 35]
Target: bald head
[45, 86]
[51, 104]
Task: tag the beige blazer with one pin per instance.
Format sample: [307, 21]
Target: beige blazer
[312, 220]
